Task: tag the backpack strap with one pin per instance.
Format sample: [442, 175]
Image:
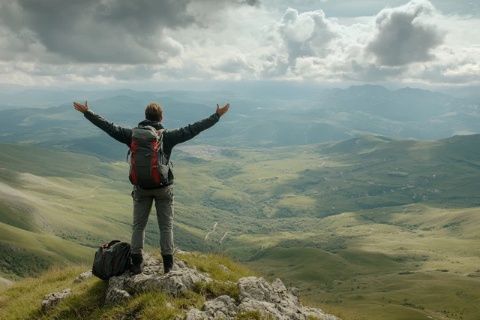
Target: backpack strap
[160, 136]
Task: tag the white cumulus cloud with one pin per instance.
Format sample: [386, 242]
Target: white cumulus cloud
[305, 34]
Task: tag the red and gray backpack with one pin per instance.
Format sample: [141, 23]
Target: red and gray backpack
[148, 164]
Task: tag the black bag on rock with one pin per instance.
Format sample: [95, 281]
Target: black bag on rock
[111, 259]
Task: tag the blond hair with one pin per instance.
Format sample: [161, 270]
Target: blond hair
[154, 112]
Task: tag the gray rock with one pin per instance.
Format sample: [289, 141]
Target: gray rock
[195, 314]
[257, 295]
[263, 307]
[52, 299]
[83, 276]
[179, 264]
[224, 268]
[318, 314]
[116, 296]
[293, 290]
[115, 292]
[174, 282]
[259, 289]
[274, 300]
[222, 307]
[152, 278]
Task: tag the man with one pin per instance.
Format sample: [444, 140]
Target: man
[163, 196]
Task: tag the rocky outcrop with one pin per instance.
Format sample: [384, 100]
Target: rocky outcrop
[257, 295]
[176, 282]
[223, 307]
[52, 299]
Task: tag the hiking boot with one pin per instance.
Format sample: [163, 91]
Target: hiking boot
[167, 262]
[137, 263]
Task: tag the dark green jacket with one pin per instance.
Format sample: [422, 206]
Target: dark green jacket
[170, 137]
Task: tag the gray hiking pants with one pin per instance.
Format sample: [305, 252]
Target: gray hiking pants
[142, 205]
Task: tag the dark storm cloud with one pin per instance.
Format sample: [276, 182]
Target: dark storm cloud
[93, 31]
[251, 2]
[402, 38]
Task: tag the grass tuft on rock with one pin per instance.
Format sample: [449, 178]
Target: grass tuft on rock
[220, 267]
[215, 289]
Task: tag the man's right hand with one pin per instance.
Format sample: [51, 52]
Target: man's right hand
[81, 107]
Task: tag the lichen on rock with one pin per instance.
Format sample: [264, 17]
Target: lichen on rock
[52, 299]
[83, 276]
[273, 301]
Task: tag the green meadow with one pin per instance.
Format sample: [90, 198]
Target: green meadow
[368, 228]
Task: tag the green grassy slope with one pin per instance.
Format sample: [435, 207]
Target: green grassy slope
[365, 228]
[24, 252]
[56, 207]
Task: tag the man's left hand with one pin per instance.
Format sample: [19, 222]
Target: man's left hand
[222, 110]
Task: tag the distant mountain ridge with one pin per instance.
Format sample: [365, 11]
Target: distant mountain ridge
[255, 121]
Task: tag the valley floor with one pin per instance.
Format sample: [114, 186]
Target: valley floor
[413, 262]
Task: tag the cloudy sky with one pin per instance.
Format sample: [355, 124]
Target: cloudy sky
[122, 42]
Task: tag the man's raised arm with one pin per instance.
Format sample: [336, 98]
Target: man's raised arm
[176, 136]
[123, 135]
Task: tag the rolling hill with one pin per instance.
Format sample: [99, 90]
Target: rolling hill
[366, 227]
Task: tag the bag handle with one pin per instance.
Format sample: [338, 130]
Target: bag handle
[111, 243]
